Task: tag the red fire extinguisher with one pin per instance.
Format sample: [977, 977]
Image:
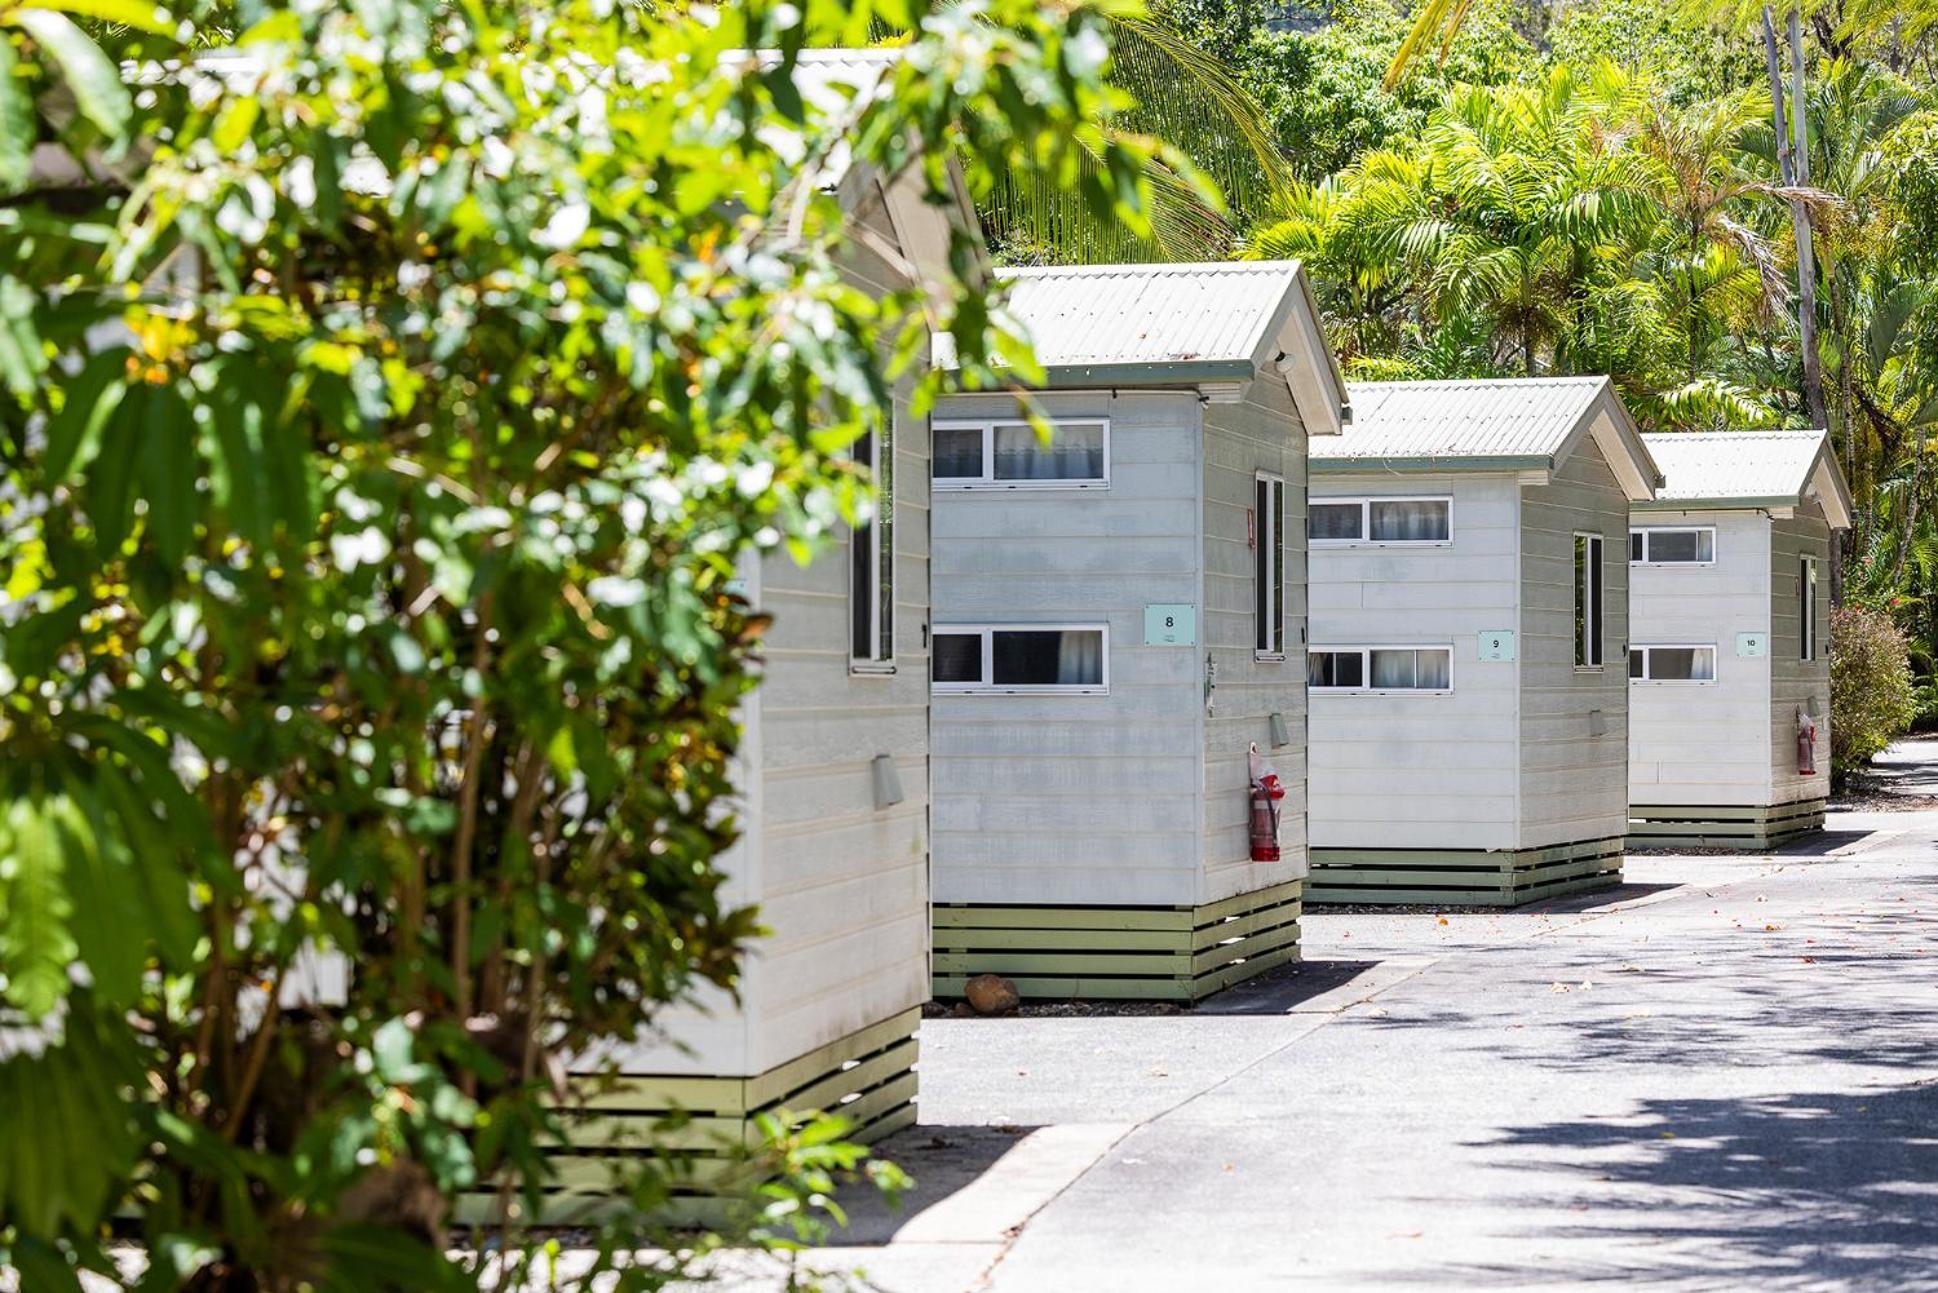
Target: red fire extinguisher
[1806, 744]
[1266, 790]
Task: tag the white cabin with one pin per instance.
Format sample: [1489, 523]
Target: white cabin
[1469, 703]
[1729, 656]
[1119, 616]
[833, 766]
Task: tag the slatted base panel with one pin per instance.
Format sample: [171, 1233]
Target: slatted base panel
[1119, 953]
[1462, 878]
[1753, 828]
[702, 1128]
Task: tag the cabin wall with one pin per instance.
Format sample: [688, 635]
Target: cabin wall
[1077, 799]
[1574, 781]
[1700, 744]
[842, 885]
[1793, 681]
[1261, 434]
[1430, 771]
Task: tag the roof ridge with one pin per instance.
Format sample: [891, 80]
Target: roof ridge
[1136, 267]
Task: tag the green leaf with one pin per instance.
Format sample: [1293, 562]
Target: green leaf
[89, 73]
[122, 13]
[113, 469]
[36, 944]
[71, 1140]
[17, 127]
[74, 434]
[168, 468]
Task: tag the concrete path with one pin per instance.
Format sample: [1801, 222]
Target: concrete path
[1717, 1077]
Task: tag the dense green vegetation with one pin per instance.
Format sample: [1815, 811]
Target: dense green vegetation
[1594, 187]
[386, 408]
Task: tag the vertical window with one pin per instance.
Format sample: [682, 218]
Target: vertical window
[1268, 566]
[871, 554]
[1588, 601]
[1807, 608]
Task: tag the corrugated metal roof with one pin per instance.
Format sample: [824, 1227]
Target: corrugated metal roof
[1724, 466]
[1506, 419]
[1096, 315]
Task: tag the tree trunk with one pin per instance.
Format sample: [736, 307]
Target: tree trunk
[1793, 164]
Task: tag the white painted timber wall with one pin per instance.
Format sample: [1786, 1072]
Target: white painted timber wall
[1261, 434]
[1399, 771]
[1695, 744]
[1574, 783]
[842, 886]
[1793, 681]
[1077, 799]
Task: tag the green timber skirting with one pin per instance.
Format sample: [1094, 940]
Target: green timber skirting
[703, 1131]
[1754, 828]
[1462, 877]
[1123, 953]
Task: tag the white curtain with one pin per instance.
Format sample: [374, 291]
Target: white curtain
[1080, 658]
[1410, 519]
[1075, 452]
[1393, 669]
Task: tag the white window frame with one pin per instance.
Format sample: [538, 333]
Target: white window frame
[1365, 654]
[988, 480]
[877, 658]
[1366, 502]
[1807, 608]
[1268, 567]
[988, 633]
[1646, 530]
[1590, 653]
[1715, 662]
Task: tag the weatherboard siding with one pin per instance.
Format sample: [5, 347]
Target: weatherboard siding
[1076, 799]
[1261, 434]
[1703, 744]
[841, 885]
[1793, 682]
[1574, 783]
[1427, 771]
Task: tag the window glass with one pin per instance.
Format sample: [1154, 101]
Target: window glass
[1278, 567]
[1334, 520]
[958, 452]
[1410, 520]
[1393, 669]
[1672, 663]
[1588, 600]
[1053, 657]
[1681, 545]
[1268, 566]
[1411, 670]
[1075, 452]
[871, 557]
[1682, 664]
[1635, 545]
[1335, 669]
[958, 657]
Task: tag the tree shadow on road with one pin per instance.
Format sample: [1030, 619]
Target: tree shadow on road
[1817, 1190]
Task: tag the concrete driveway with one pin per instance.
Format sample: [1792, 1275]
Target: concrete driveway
[1717, 1077]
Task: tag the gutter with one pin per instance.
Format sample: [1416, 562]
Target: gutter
[1175, 372]
[1330, 466]
[1715, 504]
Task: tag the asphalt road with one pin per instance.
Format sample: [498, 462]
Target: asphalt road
[1717, 1077]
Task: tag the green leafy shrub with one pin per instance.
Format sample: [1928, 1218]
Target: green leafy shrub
[1871, 698]
[386, 408]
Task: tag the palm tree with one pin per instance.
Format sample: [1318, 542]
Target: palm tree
[1214, 160]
